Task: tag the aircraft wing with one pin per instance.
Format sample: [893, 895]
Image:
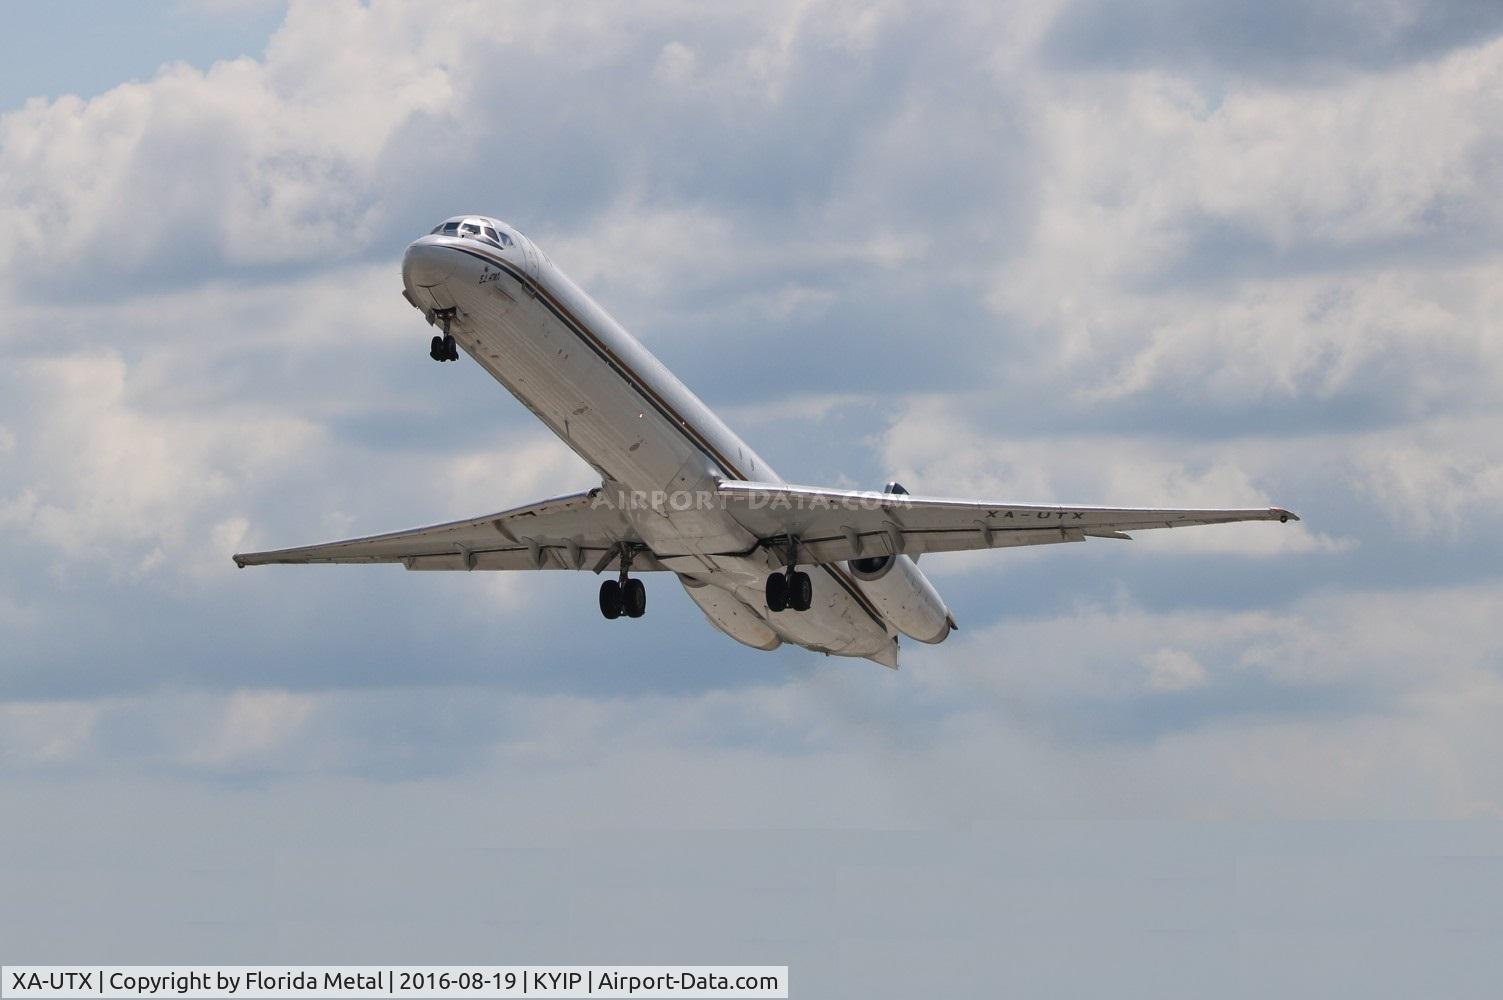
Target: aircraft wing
[570, 532]
[835, 525]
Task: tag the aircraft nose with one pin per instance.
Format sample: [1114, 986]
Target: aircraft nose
[423, 266]
[426, 268]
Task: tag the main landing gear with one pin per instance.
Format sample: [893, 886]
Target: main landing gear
[792, 588]
[625, 596]
[444, 348]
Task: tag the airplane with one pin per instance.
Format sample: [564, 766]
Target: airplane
[832, 570]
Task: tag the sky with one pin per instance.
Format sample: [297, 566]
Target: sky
[1172, 252]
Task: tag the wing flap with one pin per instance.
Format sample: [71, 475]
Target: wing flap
[577, 531]
[834, 525]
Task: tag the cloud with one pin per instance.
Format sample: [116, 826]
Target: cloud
[1279, 40]
[250, 726]
[43, 734]
[115, 483]
[1283, 711]
[1442, 478]
[197, 172]
[1320, 709]
[1173, 670]
[1271, 250]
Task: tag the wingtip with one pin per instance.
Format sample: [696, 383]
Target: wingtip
[239, 561]
[1284, 515]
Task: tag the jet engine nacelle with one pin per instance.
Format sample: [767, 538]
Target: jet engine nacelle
[730, 616]
[904, 595]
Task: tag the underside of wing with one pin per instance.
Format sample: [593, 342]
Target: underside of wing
[834, 525]
[580, 531]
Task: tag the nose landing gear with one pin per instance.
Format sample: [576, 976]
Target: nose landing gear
[444, 348]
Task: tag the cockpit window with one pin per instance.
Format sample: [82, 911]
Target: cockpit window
[502, 240]
[477, 229]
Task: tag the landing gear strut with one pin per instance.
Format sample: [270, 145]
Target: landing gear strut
[792, 588]
[444, 348]
[626, 595]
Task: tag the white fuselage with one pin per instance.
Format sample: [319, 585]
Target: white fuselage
[625, 414]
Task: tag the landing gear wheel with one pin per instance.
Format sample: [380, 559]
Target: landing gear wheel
[610, 599]
[443, 347]
[634, 598]
[800, 591]
[777, 592]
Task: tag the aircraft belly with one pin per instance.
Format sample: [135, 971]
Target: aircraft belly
[665, 483]
[560, 380]
[834, 624]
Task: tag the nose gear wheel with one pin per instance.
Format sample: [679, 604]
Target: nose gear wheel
[444, 348]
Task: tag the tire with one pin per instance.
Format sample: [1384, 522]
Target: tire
[635, 598]
[436, 349]
[451, 349]
[610, 599]
[801, 592]
[777, 592]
